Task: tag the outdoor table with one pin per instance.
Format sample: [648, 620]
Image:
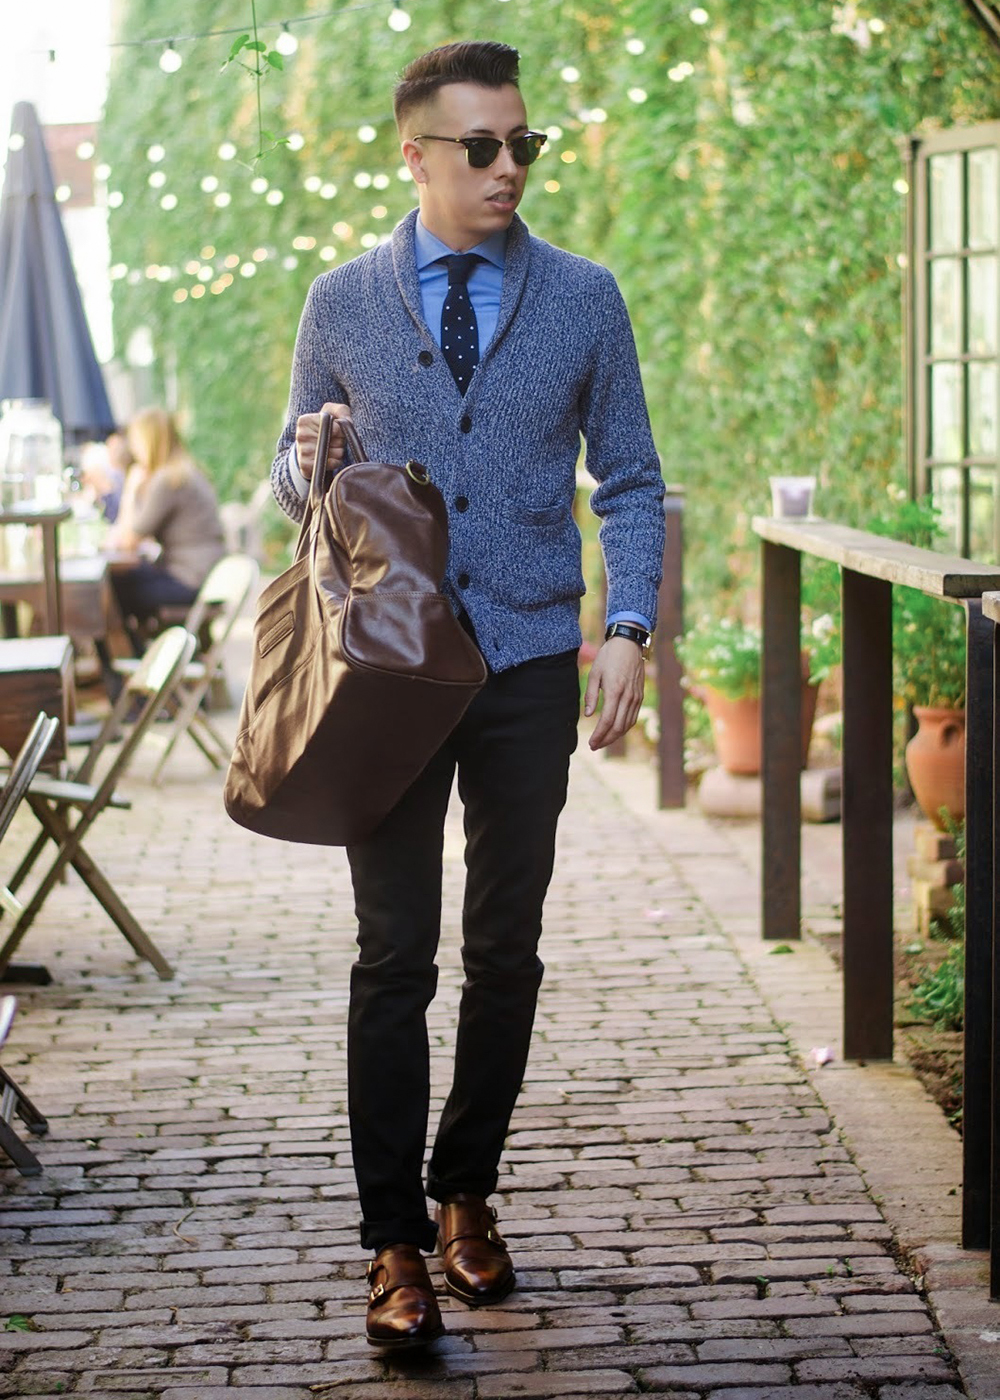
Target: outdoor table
[36, 673]
[48, 519]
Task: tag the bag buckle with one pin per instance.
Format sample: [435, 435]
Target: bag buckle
[418, 473]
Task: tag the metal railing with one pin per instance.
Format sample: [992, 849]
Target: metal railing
[870, 565]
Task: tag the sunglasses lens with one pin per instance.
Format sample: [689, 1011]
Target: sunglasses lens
[483, 150]
[526, 149]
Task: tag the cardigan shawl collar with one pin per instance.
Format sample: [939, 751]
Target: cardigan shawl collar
[515, 276]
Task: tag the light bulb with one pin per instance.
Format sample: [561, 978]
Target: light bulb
[367, 134]
[399, 20]
[155, 153]
[227, 150]
[286, 41]
[296, 141]
[170, 59]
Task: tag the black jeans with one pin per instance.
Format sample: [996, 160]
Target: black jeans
[511, 750]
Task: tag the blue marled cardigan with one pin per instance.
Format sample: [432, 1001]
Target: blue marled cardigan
[562, 362]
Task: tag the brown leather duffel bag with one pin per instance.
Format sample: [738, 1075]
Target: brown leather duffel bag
[360, 669]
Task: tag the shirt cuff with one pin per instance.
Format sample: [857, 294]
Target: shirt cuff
[636, 618]
[300, 482]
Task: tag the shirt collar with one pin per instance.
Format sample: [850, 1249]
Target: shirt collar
[429, 247]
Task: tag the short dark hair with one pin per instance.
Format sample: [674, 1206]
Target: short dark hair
[481, 61]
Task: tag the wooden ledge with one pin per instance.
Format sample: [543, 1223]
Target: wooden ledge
[941, 575]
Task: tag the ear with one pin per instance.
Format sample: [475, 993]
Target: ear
[414, 157]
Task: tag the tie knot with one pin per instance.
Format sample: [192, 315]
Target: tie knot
[459, 267]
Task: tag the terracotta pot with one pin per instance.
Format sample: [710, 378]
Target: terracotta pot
[935, 762]
[736, 728]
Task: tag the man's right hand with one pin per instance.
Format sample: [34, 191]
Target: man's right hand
[307, 438]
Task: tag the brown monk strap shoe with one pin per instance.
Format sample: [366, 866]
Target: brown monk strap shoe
[402, 1309]
[477, 1267]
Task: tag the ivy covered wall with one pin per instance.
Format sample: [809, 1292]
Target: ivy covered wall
[737, 166]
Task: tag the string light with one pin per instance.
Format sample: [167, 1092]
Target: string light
[635, 46]
[367, 134]
[102, 171]
[170, 59]
[296, 141]
[85, 150]
[209, 184]
[227, 150]
[286, 42]
[168, 202]
[569, 74]
[259, 184]
[155, 154]
[399, 20]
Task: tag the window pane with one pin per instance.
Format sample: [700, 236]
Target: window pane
[946, 412]
[946, 494]
[982, 508]
[945, 197]
[983, 306]
[983, 195]
[983, 410]
[946, 306]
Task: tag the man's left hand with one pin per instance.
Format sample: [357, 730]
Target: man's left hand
[619, 673]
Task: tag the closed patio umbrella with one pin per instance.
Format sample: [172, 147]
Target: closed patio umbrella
[45, 347]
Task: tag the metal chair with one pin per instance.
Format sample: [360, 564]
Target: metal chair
[52, 800]
[14, 1102]
[219, 603]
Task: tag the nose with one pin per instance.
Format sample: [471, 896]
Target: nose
[505, 162]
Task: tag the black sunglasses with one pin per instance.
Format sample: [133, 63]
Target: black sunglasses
[482, 151]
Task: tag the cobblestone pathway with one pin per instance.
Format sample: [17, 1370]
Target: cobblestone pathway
[684, 1219]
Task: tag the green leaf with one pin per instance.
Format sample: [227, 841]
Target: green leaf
[257, 45]
[274, 59]
[781, 948]
[19, 1324]
[237, 45]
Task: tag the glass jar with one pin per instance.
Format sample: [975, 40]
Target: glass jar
[31, 453]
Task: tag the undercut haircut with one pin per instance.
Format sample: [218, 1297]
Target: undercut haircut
[481, 61]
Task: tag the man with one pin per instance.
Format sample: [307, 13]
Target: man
[482, 353]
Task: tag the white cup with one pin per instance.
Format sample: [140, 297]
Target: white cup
[791, 496]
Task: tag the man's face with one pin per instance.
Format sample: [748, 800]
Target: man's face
[458, 203]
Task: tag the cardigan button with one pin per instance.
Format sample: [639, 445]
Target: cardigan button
[463, 580]
[425, 358]
[462, 503]
[465, 423]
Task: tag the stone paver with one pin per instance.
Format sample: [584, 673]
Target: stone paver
[686, 1217]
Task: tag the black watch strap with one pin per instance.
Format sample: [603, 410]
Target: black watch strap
[636, 634]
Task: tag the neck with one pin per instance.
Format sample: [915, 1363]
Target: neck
[459, 240]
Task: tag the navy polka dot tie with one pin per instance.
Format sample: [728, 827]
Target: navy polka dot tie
[459, 332]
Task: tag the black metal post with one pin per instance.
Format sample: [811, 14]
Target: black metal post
[781, 743]
[867, 817]
[670, 626]
[977, 1098]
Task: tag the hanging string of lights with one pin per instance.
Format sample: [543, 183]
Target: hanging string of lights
[171, 59]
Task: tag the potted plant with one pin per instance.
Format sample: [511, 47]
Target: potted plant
[721, 658]
[928, 643]
[928, 651]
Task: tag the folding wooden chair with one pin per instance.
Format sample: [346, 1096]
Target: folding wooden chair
[14, 1102]
[219, 603]
[52, 800]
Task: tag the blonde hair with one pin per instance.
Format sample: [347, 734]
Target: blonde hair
[156, 444]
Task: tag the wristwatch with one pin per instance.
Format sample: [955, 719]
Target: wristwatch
[639, 635]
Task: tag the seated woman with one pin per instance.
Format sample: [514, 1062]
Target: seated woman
[166, 499]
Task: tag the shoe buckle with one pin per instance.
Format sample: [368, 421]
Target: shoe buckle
[369, 1267]
[376, 1293]
[493, 1236]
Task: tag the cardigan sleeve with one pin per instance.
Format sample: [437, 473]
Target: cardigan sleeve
[623, 460]
[314, 383]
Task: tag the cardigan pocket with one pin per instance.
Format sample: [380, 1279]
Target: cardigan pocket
[539, 516]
